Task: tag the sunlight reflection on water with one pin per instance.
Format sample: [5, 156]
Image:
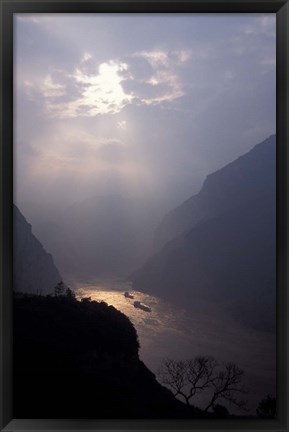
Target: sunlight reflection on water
[161, 323]
[169, 331]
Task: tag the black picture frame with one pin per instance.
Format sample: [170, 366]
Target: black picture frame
[8, 8]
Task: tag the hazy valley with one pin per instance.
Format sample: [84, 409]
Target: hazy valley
[203, 270]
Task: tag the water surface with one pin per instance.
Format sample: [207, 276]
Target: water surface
[174, 332]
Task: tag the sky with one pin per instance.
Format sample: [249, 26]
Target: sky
[141, 105]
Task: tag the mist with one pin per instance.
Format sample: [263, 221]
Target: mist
[145, 167]
[150, 115]
[125, 116]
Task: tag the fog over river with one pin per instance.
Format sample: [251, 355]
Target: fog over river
[172, 332]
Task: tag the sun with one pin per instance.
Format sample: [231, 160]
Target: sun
[103, 93]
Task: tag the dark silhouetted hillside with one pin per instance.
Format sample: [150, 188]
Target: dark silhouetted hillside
[80, 360]
[33, 267]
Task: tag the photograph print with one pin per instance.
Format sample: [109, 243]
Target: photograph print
[144, 216]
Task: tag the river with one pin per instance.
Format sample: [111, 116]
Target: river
[173, 332]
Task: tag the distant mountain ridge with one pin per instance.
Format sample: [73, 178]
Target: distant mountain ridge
[236, 184]
[221, 243]
[101, 236]
[34, 270]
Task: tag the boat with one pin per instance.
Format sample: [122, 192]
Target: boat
[128, 295]
[140, 305]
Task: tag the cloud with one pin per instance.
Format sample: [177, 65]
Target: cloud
[95, 93]
[52, 89]
[164, 58]
[110, 86]
[184, 55]
[256, 41]
[121, 125]
[173, 88]
[264, 24]
[86, 56]
[154, 58]
[129, 96]
[164, 83]
[102, 93]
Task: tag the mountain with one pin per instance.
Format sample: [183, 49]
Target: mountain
[236, 184]
[102, 236]
[224, 248]
[33, 267]
[80, 360]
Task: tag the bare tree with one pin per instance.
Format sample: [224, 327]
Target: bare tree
[227, 385]
[173, 374]
[187, 378]
[200, 373]
[190, 377]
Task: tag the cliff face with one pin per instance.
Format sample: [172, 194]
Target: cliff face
[236, 185]
[33, 268]
[226, 252]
